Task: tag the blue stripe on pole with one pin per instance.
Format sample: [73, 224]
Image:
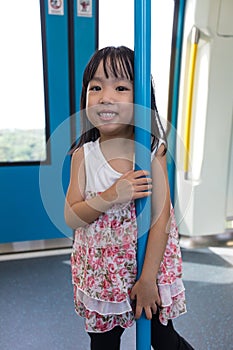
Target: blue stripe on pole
[175, 98]
[142, 99]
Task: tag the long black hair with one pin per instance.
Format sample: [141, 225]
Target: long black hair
[118, 61]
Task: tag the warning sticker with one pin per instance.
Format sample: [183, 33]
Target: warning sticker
[56, 7]
[84, 8]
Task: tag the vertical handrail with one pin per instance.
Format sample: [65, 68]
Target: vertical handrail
[142, 98]
[175, 98]
[195, 35]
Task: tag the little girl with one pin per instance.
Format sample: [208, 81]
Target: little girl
[100, 208]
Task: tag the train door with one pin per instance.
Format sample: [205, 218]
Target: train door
[44, 47]
[204, 164]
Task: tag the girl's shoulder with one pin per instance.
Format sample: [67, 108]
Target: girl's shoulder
[159, 149]
[77, 165]
[78, 156]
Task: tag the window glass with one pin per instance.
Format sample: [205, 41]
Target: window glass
[22, 110]
[116, 27]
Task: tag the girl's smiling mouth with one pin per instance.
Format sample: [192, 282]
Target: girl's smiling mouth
[107, 115]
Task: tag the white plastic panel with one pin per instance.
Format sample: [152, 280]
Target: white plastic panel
[202, 197]
[225, 22]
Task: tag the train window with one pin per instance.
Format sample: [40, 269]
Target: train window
[22, 108]
[116, 23]
[116, 27]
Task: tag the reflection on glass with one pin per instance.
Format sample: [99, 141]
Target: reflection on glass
[22, 112]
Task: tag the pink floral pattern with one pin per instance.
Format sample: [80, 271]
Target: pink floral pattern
[104, 268]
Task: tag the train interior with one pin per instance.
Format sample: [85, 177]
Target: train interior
[45, 47]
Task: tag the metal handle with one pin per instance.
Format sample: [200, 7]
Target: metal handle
[195, 35]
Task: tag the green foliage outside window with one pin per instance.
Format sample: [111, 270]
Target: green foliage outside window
[22, 145]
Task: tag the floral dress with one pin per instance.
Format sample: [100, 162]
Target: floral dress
[103, 258]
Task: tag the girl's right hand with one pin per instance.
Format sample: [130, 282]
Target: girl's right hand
[130, 186]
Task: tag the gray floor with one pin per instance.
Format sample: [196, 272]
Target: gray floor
[36, 303]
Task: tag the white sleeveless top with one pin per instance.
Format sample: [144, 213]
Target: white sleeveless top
[103, 175]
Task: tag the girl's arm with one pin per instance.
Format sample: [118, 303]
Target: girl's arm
[79, 212]
[145, 290]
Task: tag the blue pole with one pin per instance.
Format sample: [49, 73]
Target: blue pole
[142, 99]
[175, 99]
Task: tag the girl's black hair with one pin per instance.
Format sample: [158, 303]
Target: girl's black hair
[118, 61]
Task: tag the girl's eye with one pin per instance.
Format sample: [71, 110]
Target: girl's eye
[122, 88]
[95, 88]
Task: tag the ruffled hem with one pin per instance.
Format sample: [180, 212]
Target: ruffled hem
[101, 316]
[97, 323]
[103, 307]
[173, 300]
[167, 292]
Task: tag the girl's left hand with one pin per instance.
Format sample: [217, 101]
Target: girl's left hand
[147, 297]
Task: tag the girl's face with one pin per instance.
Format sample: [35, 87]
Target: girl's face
[109, 104]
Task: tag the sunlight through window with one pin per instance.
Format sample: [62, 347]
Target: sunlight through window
[22, 121]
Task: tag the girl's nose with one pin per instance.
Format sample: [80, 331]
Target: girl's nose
[106, 97]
